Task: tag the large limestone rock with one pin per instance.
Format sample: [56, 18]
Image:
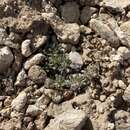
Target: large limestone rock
[6, 58]
[122, 36]
[70, 120]
[66, 32]
[104, 31]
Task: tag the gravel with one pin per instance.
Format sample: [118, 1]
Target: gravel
[65, 64]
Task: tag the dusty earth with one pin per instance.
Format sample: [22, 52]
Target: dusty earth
[64, 64]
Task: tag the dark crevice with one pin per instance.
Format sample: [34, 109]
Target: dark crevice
[48, 120]
[88, 125]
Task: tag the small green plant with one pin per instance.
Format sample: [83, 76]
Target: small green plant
[57, 67]
[56, 62]
[59, 82]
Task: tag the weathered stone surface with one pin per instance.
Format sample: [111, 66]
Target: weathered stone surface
[76, 60]
[3, 36]
[85, 30]
[11, 44]
[119, 33]
[37, 74]
[40, 42]
[6, 58]
[104, 31]
[26, 48]
[54, 95]
[43, 102]
[19, 102]
[11, 124]
[116, 5]
[41, 121]
[126, 95]
[34, 60]
[21, 78]
[70, 120]
[70, 12]
[86, 14]
[122, 119]
[124, 53]
[54, 109]
[94, 84]
[66, 32]
[125, 27]
[33, 110]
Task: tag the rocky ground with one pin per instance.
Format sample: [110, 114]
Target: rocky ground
[64, 64]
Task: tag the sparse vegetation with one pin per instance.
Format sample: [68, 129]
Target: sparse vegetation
[57, 62]
[57, 66]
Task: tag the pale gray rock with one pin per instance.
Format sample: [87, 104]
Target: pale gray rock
[69, 120]
[105, 32]
[116, 5]
[124, 52]
[43, 102]
[21, 78]
[19, 102]
[128, 14]
[126, 95]
[66, 32]
[37, 74]
[34, 60]
[6, 58]
[82, 100]
[26, 48]
[41, 41]
[76, 60]
[125, 27]
[33, 110]
[122, 85]
[122, 120]
[119, 33]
